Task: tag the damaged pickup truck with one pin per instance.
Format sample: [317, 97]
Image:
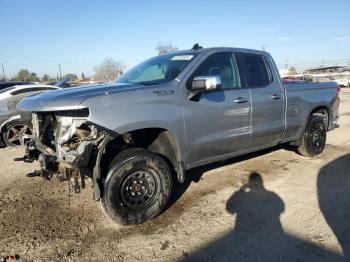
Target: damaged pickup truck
[136, 136]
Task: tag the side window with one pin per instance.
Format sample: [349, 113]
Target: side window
[223, 65]
[47, 88]
[256, 72]
[25, 90]
[31, 89]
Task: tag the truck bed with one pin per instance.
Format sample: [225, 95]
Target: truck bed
[302, 98]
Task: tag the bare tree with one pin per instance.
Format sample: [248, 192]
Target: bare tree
[163, 48]
[109, 70]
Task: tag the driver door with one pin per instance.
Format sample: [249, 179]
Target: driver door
[218, 123]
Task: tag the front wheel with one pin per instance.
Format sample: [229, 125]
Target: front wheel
[137, 187]
[17, 134]
[314, 137]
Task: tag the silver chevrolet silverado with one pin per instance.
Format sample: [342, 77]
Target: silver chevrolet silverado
[133, 138]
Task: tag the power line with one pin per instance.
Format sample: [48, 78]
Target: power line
[263, 47]
[46, 60]
[302, 41]
[61, 61]
[323, 61]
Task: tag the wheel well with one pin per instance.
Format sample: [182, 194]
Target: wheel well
[321, 111]
[156, 140]
[4, 125]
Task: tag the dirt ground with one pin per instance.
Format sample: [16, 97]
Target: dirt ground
[273, 205]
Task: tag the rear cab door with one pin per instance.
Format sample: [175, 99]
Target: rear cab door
[267, 96]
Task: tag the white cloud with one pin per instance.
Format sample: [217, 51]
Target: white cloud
[343, 38]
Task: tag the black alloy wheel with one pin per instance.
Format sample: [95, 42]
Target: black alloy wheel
[313, 140]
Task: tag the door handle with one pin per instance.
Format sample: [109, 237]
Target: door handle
[240, 100]
[275, 97]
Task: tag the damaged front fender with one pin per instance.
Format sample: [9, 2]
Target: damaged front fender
[96, 176]
[67, 144]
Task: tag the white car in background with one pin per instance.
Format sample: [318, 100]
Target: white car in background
[15, 126]
[24, 89]
[343, 81]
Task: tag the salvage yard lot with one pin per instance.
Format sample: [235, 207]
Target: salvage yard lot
[299, 210]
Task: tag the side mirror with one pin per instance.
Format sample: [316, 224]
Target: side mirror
[205, 83]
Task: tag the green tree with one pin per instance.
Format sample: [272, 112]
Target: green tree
[82, 76]
[292, 71]
[71, 76]
[23, 75]
[34, 77]
[45, 78]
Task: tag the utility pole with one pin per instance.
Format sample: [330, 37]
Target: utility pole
[263, 47]
[3, 71]
[286, 63]
[59, 68]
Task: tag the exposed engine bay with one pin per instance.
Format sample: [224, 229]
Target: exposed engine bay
[64, 143]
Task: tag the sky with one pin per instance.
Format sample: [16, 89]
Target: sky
[40, 34]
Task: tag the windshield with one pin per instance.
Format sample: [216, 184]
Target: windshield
[157, 70]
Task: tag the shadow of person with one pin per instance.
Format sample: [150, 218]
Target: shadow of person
[333, 186]
[255, 206]
[258, 234]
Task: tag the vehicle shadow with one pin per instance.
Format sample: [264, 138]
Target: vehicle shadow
[258, 234]
[333, 186]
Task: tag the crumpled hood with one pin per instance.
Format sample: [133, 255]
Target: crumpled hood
[70, 98]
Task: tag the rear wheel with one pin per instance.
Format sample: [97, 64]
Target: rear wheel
[137, 187]
[314, 137]
[17, 134]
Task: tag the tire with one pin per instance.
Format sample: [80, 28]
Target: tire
[17, 133]
[137, 187]
[313, 140]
